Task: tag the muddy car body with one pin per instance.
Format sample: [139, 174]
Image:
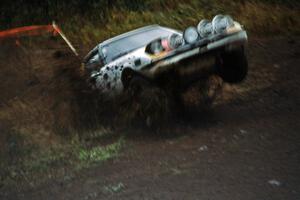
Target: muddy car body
[162, 55]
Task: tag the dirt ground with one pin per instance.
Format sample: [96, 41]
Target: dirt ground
[246, 147]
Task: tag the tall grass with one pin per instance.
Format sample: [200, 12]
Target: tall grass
[92, 20]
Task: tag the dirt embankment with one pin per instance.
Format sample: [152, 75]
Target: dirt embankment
[42, 89]
[246, 147]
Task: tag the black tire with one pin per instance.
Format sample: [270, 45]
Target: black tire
[209, 91]
[232, 66]
[202, 95]
[147, 104]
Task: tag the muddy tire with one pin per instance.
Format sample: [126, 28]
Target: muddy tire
[203, 94]
[232, 66]
[209, 90]
[147, 104]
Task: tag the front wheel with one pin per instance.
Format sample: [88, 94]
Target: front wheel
[147, 104]
[232, 66]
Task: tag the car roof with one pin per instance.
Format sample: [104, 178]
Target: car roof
[136, 31]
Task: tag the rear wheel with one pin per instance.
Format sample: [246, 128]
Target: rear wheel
[232, 66]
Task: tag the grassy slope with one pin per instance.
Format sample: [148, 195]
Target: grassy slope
[91, 21]
[257, 17]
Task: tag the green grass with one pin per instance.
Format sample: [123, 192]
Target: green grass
[99, 153]
[90, 21]
[114, 188]
[61, 160]
[257, 17]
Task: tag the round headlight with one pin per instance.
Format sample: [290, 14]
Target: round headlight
[205, 28]
[190, 35]
[220, 23]
[174, 41]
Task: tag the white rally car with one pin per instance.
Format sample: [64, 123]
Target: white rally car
[168, 58]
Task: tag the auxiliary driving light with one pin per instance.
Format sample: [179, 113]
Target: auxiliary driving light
[174, 41]
[221, 22]
[190, 35]
[205, 28]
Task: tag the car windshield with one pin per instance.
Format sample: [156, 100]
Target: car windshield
[124, 45]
